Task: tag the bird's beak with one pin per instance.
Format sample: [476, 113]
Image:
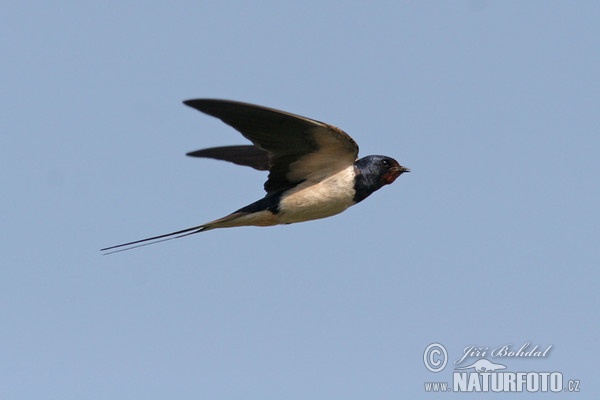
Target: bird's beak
[399, 169]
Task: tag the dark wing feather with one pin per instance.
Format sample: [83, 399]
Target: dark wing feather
[299, 148]
[250, 156]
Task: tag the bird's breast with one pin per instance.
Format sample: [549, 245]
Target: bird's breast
[314, 200]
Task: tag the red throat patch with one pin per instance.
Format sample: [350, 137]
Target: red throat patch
[390, 177]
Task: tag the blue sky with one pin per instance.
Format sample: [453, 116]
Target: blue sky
[492, 239]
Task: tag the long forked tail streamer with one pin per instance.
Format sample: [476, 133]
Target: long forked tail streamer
[153, 240]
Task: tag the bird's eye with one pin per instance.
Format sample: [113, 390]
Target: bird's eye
[385, 163]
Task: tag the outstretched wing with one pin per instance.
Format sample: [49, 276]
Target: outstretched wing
[299, 148]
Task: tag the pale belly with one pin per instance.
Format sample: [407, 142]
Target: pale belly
[313, 201]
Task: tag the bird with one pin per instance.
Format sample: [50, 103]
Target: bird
[314, 169]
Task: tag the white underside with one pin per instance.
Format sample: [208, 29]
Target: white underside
[311, 200]
[307, 201]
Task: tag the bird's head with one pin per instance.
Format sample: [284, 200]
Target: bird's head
[380, 170]
[374, 172]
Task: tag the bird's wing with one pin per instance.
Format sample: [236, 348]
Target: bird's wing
[250, 156]
[300, 149]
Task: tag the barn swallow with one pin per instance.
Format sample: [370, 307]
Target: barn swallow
[314, 170]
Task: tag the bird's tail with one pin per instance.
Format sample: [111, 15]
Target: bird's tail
[155, 239]
[235, 219]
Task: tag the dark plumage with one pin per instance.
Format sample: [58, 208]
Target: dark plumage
[374, 172]
[313, 168]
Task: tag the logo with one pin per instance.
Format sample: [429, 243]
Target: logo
[485, 369]
[483, 365]
[435, 357]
